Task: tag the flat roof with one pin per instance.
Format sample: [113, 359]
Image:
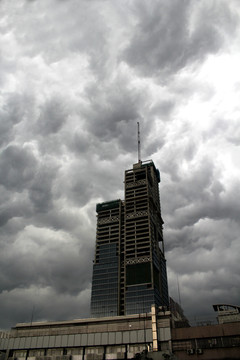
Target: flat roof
[81, 321]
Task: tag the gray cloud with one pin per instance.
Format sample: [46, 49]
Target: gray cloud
[40, 192]
[52, 116]
[109, 106]
[25, 266]
[17, 167]
[170, 36]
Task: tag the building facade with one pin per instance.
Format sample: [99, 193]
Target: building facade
[220, 342]
[129, 270]
[105, 338]
[120, 337]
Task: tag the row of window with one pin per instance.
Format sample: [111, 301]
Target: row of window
[207, 343]
[100, 282]
[134, 309]
[107, 258]
[104, 313]
[79, 350]
[110, 291]
[101, 267]
[104, 306]
[109, 274]
[140, 301]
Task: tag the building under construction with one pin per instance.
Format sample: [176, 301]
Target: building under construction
[129, 271]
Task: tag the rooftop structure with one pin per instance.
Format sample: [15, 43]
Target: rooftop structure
[227, 313]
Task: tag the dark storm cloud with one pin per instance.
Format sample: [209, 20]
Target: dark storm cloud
[200, 210]
[40, 191]
[206, 245]
[21, 172]
[171, 35]
[109, 106]
[200, 194]
[11, 208]
[15, 109]
[52, 116]
[56, 32]
[23, 263]
[40, 304]
[17, 167]
[112, 115]
[195, 195]
[79, 190]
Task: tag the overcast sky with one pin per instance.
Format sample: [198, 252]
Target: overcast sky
[75, 78]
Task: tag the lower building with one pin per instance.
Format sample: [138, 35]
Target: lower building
[179, 320]
[150, 335]
[227, 313]
[209, 342]
[119, 337]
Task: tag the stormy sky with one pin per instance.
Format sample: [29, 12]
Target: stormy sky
[75, 78]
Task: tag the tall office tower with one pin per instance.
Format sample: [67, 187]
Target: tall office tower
[106, 267]
[145, 264]
[129, 271]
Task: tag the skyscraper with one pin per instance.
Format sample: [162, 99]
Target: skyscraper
[129, 270]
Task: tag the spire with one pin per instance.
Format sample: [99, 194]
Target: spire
[139, 144]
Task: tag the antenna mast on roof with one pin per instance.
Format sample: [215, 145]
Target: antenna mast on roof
[179, 297]
[139, 144]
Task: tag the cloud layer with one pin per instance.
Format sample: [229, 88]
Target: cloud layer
[75, 79]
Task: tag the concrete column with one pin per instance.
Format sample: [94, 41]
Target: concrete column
[154, 328]
[6, 355]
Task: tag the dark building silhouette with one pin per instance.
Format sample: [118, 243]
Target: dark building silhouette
[129, 271]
